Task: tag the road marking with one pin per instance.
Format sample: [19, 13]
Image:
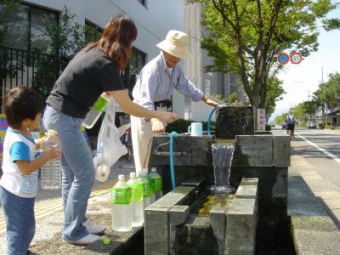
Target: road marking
[321, 149]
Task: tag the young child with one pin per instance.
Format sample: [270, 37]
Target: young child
[19, 182]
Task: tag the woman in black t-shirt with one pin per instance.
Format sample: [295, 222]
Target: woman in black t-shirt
[93, 71]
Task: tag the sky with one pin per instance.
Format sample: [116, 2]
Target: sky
[302, 80]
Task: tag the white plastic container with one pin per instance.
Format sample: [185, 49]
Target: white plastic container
[121, 206]
[136, 200]
[96, 111]
[51, 171]
[158, 183]
[146, 189]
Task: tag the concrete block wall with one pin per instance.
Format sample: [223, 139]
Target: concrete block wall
[233, 229]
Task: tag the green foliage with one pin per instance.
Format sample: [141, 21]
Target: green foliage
[245, 38]
[7, 69]
[7, 7]
[67, 38]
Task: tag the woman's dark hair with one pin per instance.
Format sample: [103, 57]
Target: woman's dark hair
[21, 103]
[116, 40]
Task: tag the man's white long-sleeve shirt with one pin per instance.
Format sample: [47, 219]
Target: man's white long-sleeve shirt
[156, 83]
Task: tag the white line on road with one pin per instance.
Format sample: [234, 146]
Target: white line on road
[321, 149]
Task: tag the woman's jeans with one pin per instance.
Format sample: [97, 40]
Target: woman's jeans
[77, 168]
[20, 221]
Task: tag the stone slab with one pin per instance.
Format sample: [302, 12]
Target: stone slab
[189, 150]
[281, 149]
[247, 188]
[156, 231]
[255, 150]
[241, 226]
[218, 225]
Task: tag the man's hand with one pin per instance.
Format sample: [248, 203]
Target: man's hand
[157, 126]
[167, 117]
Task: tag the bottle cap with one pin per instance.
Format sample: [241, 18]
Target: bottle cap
[153, 169]
[106, 240]
[121, 177]
[132, 175]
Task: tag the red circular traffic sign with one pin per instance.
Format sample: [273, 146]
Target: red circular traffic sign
[296, 58]
[282, 58]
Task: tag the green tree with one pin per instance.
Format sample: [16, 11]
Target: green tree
[328, 94]
[274, 91]
[7, 68]
[67, 38]
[245, 37]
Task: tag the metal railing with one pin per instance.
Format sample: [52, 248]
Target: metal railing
[20, 67]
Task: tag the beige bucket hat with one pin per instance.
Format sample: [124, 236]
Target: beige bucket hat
[176, 43]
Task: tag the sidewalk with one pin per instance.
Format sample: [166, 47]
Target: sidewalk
[49, 219]
[327, 193]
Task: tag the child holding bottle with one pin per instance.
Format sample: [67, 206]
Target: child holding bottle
[19, 182]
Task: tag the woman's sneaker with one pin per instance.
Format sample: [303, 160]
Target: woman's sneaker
[90, 238]
[93, 229]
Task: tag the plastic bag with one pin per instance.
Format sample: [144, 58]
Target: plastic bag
[109, 146]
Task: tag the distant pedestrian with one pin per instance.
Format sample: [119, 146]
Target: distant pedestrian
[18, 184]
[291, 124]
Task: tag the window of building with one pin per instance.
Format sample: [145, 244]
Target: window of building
[27, 29]
[143, 2]
[136, 63]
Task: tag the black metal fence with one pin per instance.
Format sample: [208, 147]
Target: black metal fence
[20, 67]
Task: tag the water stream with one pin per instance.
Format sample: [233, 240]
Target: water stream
[222, 155]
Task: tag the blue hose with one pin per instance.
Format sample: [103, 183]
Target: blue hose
[172, 170]
[209, 119]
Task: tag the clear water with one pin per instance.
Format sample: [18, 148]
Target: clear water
[91, 118]
[138, 213]
[222, 155]
[51, 175]
[122, 217]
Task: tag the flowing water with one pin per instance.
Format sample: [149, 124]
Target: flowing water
[222, 155]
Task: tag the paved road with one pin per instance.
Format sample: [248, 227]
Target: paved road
[321, 149]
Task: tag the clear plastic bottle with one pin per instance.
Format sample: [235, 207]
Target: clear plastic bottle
[146, 189]
[136, 200]
[158, 183]
[121, 206]
[151, 183]
[51, 171]
[96, 111]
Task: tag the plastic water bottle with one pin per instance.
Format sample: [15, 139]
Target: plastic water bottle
[121, 206]
[158, 183]
[96, 111]
[152, 185]
[51, 171]
[146, 189]
[136, 200]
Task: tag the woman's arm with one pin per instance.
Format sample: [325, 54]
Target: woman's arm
[134, 109]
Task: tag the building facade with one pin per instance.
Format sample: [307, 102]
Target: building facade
[28, 41]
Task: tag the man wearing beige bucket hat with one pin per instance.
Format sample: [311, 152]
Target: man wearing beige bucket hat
[154, 89]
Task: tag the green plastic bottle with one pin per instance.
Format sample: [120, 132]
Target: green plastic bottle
[146, 189]
[121, 206]
[158, 183]
[96, 111]
[152, 185]
[136, 200]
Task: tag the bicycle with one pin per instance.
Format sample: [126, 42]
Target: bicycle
[128, 144]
